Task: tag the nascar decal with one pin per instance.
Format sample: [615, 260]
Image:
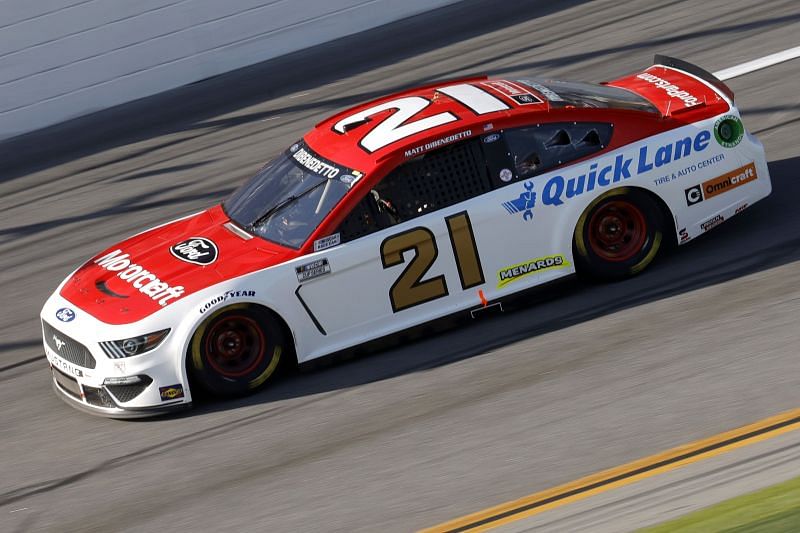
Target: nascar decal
[726, 182]
[510, 274]
[142, 279]
[312, 270]
[558, 189]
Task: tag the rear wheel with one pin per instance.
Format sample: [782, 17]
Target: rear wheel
[236, 350]
[618, 235]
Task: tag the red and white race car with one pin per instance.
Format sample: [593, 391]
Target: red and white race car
[415, 206]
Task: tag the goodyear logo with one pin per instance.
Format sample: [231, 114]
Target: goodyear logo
[512, 273]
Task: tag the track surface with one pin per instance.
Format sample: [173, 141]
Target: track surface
[583, 380]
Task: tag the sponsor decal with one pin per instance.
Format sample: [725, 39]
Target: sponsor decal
[197, 250]
[596, 175]
[510, 89]
[684, 235]
[312, 270]
[328, 242]
[688, 170]
[728, 131]
[414, 152]
[171, 392]
[65, 314]
[66, 367]
[712, 222]
[142, 279]
[225, 297]
[506, 175]
[740, 209]
[670, 88]
[524, 204]
[547, 92]
[719, 185]
[512, 273]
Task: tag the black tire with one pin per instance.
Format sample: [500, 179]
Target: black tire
[618, 235]
[236, 350]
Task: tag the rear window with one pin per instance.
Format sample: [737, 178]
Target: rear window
[579, 94]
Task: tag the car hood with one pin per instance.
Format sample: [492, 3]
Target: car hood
[150, 271]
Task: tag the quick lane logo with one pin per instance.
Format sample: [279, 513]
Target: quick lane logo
[524, 204]
[512, 273]
[559, 189]
[145, 281]
[719, 185]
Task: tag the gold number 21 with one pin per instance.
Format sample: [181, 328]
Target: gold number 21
[409, 289]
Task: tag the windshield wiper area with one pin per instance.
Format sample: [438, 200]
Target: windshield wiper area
[283, 203]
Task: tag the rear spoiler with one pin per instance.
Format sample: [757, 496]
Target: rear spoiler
[694, 70]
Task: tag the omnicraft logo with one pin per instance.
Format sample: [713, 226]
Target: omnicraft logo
[670, 88]
[142, 279]
[721, 184]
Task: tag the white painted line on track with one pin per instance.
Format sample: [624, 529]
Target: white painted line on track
[758, 64]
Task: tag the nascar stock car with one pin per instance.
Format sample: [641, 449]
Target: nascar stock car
[433, 201]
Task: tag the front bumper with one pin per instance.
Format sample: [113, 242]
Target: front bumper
[87, 378]
[106, 406]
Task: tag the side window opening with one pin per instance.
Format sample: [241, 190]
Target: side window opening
[430, 182]
[537, 149]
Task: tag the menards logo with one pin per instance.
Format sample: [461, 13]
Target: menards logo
[145, 281]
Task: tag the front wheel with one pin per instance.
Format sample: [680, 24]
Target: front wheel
[236, 350]
[618, 235]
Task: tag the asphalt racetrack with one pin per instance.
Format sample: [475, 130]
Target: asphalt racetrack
[583, 378]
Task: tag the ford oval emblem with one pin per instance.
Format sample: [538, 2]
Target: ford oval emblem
[65, 314]
[197, 250]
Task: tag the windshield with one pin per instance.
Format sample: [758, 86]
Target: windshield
[578, 94]
[288, 198]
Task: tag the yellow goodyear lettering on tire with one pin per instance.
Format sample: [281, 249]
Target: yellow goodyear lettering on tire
[197, 357]
[638, 267]
[276, 357]
[580, 244]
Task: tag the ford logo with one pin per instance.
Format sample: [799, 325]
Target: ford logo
[197, 250]
[65, 314]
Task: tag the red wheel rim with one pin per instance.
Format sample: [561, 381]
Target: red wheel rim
[617, 231]
[235, 346]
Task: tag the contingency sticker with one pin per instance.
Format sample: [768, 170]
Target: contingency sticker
[312, 270]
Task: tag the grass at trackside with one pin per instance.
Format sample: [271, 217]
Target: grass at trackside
[772, 509]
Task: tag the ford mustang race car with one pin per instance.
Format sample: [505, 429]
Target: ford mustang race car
[442, 199]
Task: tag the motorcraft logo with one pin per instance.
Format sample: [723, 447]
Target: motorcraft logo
[512, 273]
[670, 88]
[721, 184]
[142, 279]
[605, 172]
[197, 250]
[65, 314]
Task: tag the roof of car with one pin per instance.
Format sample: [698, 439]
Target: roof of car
[423, 118]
